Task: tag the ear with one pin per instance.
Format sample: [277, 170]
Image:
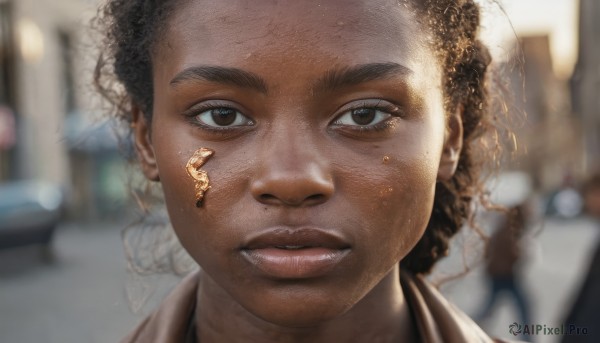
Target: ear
[453, 143]
[143, 144]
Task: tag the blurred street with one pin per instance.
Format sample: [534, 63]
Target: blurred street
[80, 296]
[556, 263]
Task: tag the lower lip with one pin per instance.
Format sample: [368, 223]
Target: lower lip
[295, 263]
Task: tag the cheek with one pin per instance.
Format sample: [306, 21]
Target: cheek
[172, 152]
[394, 193]
[409, 202]
[200, 229]
[178, 186]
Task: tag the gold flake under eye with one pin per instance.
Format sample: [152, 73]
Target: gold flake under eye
[200, 176]
[386, 159]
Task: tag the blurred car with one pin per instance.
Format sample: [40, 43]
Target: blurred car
[511, 188]
[29, 212]
[565, 202]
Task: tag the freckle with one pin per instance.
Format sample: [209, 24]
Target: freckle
[386, 159]
[384, 193]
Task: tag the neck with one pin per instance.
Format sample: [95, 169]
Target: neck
[381, 316]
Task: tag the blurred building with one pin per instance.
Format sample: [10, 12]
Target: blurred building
[550, 149]
[47, 59]
[7, 90]
[586, 81]
[41, 83]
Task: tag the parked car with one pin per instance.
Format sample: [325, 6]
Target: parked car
[29, 213]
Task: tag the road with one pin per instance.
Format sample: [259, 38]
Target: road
[81, 296]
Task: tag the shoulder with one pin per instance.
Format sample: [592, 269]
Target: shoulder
[172, 322]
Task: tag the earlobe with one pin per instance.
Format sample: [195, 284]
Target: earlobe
[143, 144]
[453, 143]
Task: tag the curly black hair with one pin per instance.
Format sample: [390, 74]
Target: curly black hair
[131, 27]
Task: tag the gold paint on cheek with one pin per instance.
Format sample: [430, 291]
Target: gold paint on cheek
[200, 176]
[386, 159]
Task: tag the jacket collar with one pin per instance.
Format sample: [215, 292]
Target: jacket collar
[436, 319]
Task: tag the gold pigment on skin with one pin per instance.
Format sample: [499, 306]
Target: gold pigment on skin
[386, 159]
[200, 176]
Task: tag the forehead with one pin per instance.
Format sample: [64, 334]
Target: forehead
[221, 32]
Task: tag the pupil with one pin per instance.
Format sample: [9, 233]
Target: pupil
[363, 116]
[223, 116]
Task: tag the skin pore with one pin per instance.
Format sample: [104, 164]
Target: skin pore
[301, 101]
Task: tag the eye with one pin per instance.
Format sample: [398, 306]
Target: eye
[368, 118]
[364, 116]
[222, 117]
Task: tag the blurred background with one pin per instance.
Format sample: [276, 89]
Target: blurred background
[64, 198]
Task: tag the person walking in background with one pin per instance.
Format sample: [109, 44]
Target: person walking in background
[503, 256]
[584, 312]
[8, 135]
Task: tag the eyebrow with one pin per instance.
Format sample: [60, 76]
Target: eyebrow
[232, 76]
[334, 78]
[337, 78]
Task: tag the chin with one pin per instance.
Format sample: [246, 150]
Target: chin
[299, 309]
[299, 319]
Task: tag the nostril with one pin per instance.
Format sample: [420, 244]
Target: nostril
[310, 200]
[315, 199]
[268, 198]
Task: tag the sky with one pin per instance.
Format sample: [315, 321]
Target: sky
[557, 18]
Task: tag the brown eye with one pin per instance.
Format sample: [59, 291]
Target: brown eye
[222, 117]
[363, 116]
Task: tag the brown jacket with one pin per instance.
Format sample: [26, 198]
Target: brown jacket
[437, 320]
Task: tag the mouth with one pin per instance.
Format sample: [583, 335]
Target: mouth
[291, 247]
[295, 253]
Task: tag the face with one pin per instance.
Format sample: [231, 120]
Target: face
[329, 134]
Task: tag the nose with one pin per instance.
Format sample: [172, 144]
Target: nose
[292, 172]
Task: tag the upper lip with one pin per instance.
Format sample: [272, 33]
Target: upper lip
[285, 236]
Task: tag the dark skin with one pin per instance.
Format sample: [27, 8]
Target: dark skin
[354, 156]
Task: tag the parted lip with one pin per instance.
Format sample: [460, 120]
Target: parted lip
[286, 236]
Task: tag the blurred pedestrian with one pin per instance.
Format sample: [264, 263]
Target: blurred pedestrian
[584, 311]
[503, 258]
[7, 128]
